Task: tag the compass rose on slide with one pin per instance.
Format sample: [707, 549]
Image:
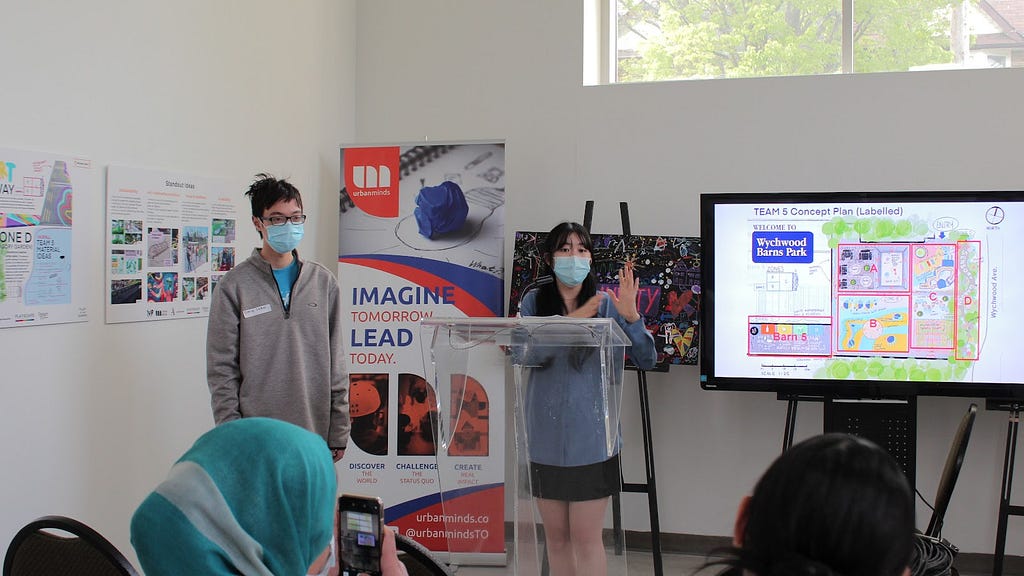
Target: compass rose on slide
[994, 215]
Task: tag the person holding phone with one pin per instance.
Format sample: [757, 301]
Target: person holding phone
[360, 528]
[251, 496]
[572, 474]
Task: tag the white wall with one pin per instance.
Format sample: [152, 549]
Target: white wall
[451, 69]
[93, 415]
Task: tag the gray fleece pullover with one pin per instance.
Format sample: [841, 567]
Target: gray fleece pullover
[265, 360]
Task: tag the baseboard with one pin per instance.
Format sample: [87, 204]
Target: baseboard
[975, 563]
[672, 543]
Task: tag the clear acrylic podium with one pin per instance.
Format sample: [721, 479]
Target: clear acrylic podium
[567, 391]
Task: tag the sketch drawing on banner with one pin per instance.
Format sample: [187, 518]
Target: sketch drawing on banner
[449, 194]
[668, 268]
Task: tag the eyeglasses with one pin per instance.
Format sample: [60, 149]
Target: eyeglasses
[277, 220]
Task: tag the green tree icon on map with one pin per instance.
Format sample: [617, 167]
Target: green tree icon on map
[873, 229]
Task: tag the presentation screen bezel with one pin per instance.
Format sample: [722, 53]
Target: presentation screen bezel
[711, 378]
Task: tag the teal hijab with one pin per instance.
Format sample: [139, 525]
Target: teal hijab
[253, 496]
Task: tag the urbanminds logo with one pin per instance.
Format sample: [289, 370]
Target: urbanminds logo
[372, 177]
[369, 179]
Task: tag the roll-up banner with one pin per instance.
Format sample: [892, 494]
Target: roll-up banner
[421, 235]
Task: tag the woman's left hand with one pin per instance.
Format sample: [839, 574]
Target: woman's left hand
[625, 300]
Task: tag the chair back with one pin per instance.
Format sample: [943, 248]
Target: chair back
[37, 550]
[955, 459]
[418, 560]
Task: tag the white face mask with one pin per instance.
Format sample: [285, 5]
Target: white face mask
[571, 270]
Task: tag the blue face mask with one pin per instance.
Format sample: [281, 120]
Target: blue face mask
[285, 238]
[571, 270]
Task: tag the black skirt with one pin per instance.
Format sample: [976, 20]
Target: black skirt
[576, 483]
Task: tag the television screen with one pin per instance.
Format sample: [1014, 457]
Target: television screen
[867, 294]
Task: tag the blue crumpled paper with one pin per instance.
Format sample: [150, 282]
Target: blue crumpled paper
[440, 209]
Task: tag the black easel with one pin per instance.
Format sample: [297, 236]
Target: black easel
[650, 487]
[1005, 508]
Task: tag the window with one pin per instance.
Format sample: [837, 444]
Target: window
[651, 40]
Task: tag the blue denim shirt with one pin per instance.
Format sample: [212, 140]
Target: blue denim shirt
[565, 413]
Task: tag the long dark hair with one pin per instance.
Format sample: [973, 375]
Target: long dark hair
[549, 301]
[834, 504]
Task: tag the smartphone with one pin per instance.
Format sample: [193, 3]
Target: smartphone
[360, 522]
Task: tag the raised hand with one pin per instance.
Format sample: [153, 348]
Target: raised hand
[625, 300]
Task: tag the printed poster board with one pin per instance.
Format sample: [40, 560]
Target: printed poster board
[41, 270]
[170, 238]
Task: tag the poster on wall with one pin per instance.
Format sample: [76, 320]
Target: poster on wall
[421, 235]
[170, 238]
[41, 273]
[668, 268]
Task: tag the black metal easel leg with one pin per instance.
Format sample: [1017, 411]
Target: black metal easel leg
[619, 545]
[1004, 493]
[652, 486]
[787, 438]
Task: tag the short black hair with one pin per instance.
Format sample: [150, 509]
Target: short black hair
[267, 191]
[832, 504]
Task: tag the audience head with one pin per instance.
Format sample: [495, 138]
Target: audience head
[252, 496]
[834, 504]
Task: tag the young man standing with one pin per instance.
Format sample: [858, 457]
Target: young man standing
[274, 343]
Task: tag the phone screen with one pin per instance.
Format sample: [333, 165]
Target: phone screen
[359, 535]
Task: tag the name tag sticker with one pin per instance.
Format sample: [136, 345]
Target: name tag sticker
[256, 311]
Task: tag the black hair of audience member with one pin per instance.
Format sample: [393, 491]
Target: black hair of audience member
[832, 505]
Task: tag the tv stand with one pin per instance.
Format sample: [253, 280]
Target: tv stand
[792, 401]
[889, 422]
[1006, 509]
